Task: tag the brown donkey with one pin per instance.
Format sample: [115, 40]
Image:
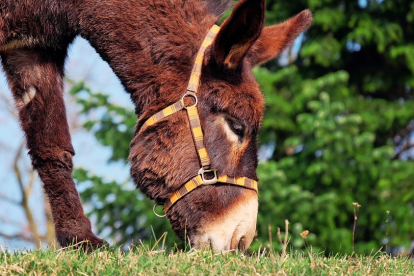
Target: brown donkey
[152, 47]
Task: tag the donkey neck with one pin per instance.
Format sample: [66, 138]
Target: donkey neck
[150, 45]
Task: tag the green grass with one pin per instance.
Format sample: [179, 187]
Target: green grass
[144, 261]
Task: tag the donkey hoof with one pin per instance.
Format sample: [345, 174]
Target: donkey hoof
[86, 241]
[92, 243]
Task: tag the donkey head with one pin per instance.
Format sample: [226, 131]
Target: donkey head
[230, 107]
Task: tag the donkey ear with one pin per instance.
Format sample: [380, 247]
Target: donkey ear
[274, 39]
[238, 33]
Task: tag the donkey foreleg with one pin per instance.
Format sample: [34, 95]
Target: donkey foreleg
[35, 77]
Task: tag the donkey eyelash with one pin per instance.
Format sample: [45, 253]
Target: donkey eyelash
[236, 126]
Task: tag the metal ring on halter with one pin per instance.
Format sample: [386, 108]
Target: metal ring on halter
[153, 209]
[190, 94]
[213, 180]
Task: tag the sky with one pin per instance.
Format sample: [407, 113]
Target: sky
[83, 63]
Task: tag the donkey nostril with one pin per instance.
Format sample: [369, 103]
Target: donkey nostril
[242, 244]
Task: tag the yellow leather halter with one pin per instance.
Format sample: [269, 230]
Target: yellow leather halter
[197, 132]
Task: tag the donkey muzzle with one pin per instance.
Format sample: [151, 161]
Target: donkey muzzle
[233, 230]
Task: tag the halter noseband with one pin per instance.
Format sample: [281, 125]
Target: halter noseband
[197, 132]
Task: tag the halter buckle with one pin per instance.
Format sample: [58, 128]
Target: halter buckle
[190, 93]
[214, 180]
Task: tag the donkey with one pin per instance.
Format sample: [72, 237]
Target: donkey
[160, 50]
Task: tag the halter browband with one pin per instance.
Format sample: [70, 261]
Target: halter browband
[197, 132]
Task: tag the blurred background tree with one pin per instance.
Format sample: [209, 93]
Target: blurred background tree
[339, 121]
[338, 129]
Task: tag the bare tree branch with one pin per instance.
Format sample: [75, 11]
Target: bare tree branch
[19, 236]
[50, 228]
[15, 223]
[405, 148]
[25, 192]
[23, 237]
[9, 200]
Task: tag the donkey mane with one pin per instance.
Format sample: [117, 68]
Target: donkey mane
[168, 39]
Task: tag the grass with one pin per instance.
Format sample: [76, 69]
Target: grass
[144, 261]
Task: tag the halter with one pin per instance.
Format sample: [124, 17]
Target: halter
[197, 133]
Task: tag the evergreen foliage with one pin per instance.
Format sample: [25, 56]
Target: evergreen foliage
[338, 115]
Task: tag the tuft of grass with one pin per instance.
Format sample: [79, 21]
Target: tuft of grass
[356, 211]
[386, 231]
[141, 260]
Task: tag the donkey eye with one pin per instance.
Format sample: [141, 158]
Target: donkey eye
[236, 127]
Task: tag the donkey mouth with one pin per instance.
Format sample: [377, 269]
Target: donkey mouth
[233, 230]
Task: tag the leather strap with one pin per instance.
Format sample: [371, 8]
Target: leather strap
[198, 137]
[198, 181]
[198, 63]
[169, 110]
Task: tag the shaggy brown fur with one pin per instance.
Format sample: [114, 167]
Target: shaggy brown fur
[151, 46]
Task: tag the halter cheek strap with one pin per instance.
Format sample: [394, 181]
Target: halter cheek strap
[197, 134]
